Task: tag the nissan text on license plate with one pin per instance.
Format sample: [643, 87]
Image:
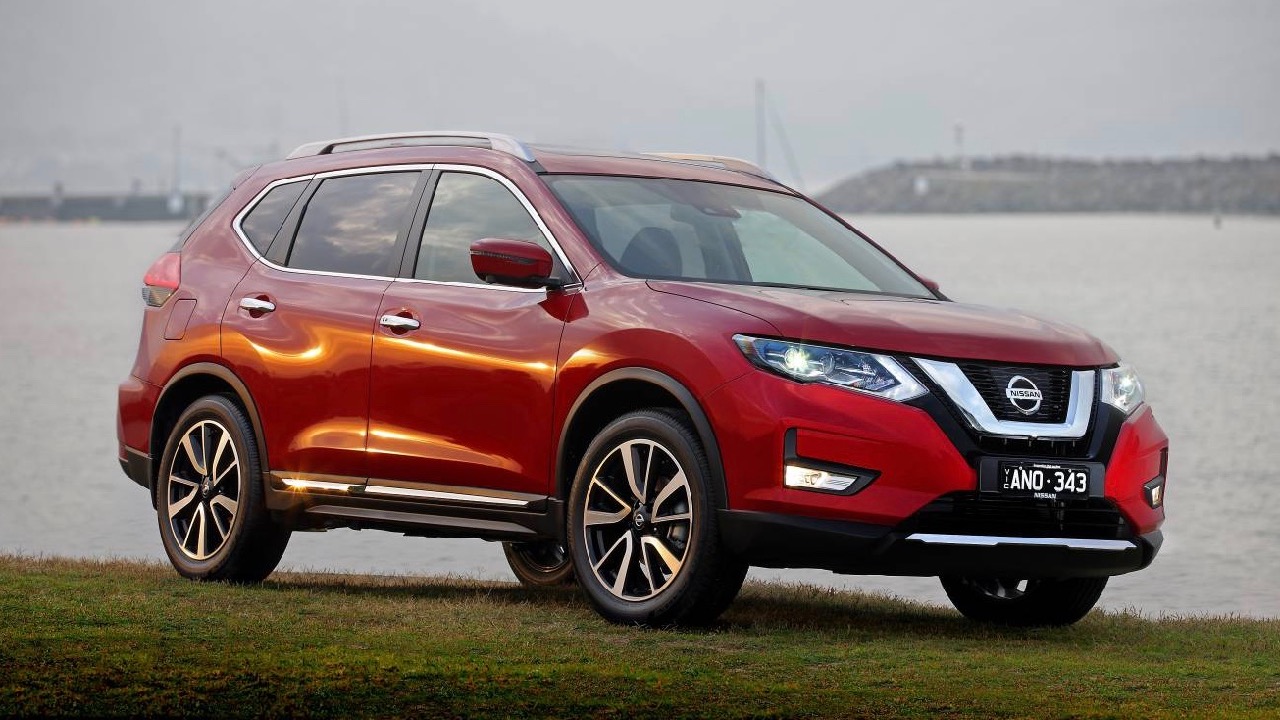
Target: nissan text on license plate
[1047, 481]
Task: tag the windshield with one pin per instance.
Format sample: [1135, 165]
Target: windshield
[691, 230]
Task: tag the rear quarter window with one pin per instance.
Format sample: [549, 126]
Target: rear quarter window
[265, 219]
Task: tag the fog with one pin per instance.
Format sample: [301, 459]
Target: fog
[91, 92]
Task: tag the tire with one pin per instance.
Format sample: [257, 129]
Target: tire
[644, 485]
[209, 499]
[539, 564]
[1024, 603]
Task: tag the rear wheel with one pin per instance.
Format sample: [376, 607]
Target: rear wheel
[213, 520]
[539, 564]
[1024, 603]
[642, 526]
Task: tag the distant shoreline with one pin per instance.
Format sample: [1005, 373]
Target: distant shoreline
[1029, 184]
[125, 207]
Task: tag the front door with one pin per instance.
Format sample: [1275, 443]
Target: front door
[463, 372]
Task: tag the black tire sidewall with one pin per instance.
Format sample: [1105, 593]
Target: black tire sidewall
[1049, 602]
[664, 429]
[226, 413]
[534, 575]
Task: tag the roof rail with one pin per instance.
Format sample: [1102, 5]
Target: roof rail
[718, 161]
[501, 143]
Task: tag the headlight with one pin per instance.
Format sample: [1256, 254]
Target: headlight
[865, 372]
[1122, 389]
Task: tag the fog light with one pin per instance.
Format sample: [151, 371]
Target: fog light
[810, 479]
[1155, 492]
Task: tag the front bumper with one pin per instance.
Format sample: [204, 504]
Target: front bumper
[771, 540]
[926, 485]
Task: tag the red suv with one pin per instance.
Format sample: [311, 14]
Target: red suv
[645, 372]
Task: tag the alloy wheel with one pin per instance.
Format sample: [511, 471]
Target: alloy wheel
[204, 489]
[1000, 588]
[545, 556]
[638, 520]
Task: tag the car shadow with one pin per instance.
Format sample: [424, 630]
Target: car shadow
[761, 609]
[428, 588]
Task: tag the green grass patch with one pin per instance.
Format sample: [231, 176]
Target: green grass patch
[123, 638]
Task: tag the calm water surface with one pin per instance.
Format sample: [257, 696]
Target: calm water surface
[1197, 310]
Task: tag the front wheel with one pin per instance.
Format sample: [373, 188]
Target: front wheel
[642, 528]
[1024, 603]
[544, 563]
[213, 519]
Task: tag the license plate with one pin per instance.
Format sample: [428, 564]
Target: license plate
[1048, 481]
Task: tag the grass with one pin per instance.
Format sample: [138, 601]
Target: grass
[125, 638]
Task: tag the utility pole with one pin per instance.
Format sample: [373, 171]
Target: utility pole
[175, 194]
[961, 161]
[177, 159]
[760, 124]
[765, 110]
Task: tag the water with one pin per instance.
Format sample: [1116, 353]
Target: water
[1197, 310]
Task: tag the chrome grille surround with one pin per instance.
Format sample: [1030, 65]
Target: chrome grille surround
[968, 401]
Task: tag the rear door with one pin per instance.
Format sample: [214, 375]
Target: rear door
[299, 327]
[463, 372]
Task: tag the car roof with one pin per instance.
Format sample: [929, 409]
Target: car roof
[712, 168]
[470, 146]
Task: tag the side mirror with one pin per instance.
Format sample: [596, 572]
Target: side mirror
[513, 262]
[931, 284]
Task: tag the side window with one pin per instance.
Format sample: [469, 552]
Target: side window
[469, 207]
[264, 220]
[350, 224]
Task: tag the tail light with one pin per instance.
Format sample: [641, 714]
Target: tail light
[162, 279]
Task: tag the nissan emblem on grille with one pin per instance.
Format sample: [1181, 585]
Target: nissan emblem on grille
[1023, 394]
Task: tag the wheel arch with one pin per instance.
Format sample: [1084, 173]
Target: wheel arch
[188, 385]
[620, 391]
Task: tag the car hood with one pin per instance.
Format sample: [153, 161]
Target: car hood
[906, 326]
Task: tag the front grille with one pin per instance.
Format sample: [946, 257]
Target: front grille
[992, 381]
[978, 514]
[1002, 445]
[1034, 447]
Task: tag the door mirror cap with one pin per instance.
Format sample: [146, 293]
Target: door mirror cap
[513, 262]
[931, 284]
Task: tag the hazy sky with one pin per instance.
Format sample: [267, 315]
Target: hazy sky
[90, 92]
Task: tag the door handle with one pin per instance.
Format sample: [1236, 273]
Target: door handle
[399, 322]
[253, 304]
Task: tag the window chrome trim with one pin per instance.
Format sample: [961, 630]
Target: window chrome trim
[244, 212]
[965, 396]
[996, 540]
[244, 239]
[575, 279]
[485, 286]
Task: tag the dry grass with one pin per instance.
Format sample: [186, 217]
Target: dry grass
[111, 637]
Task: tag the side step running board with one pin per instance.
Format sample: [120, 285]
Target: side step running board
[380, 519]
